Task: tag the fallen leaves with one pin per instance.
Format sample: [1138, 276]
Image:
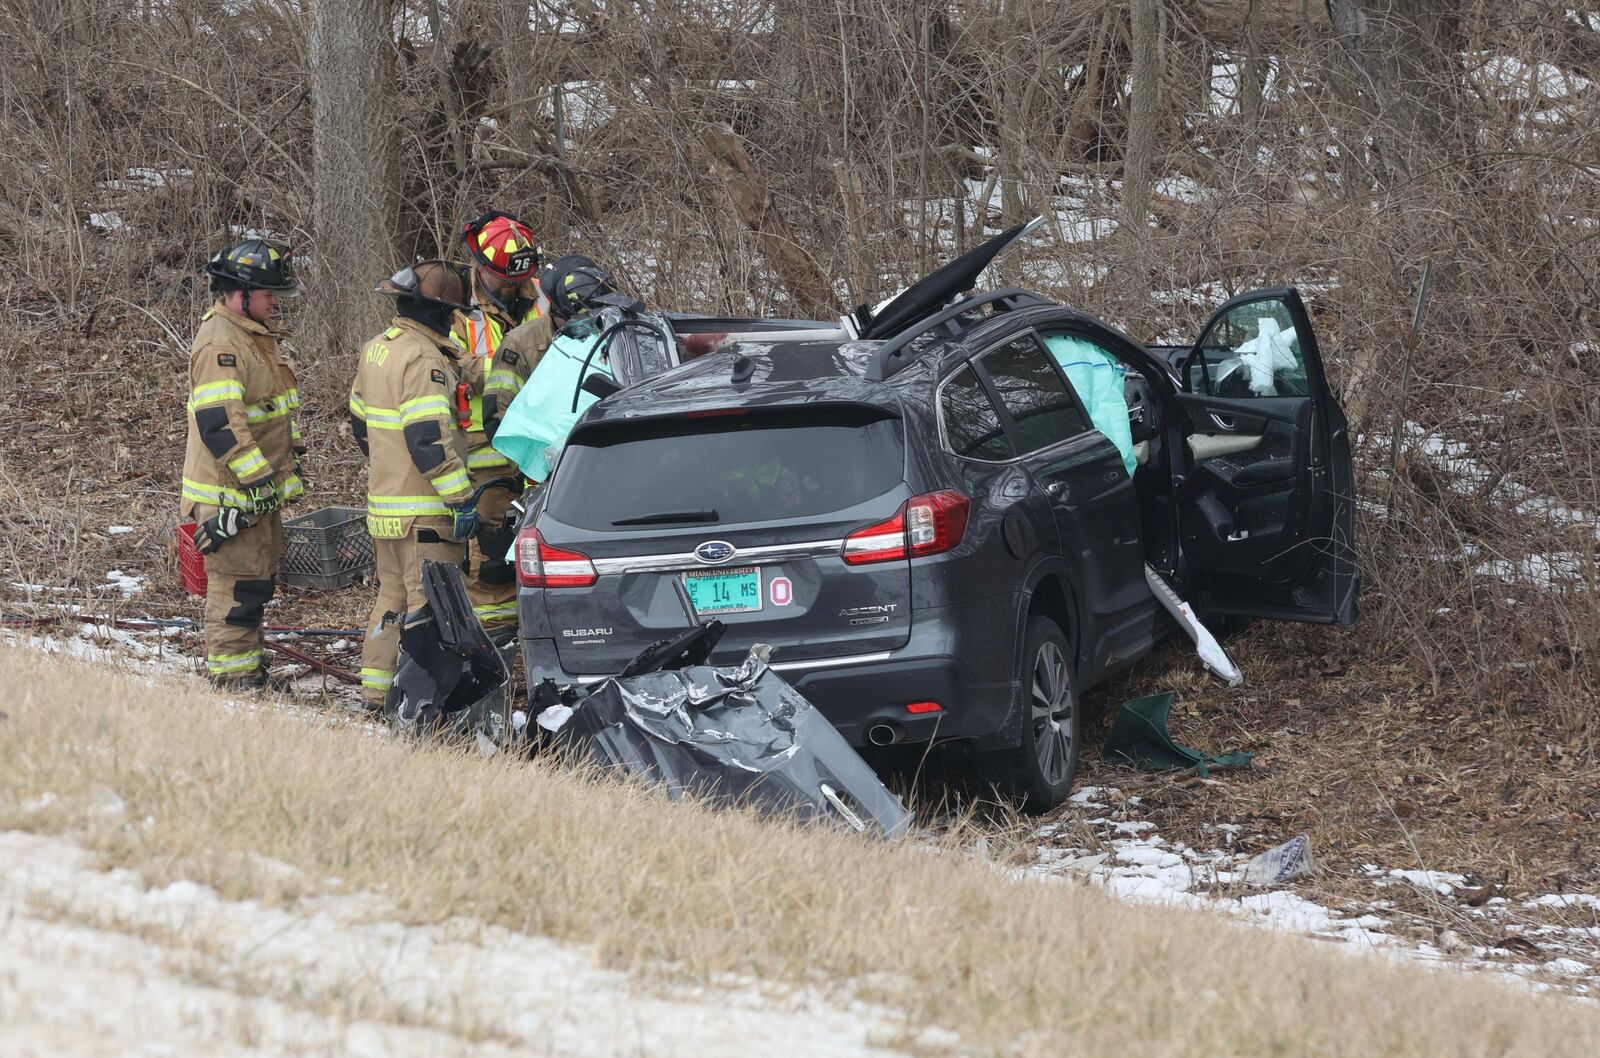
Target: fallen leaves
[1519, 944]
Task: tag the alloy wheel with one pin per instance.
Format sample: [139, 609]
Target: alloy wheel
[1050, 713]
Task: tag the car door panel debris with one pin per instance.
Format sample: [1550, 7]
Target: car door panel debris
[1211, 653]
[737, 735]
[451, 678]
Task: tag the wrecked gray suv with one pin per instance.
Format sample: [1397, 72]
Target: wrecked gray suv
[925, 523]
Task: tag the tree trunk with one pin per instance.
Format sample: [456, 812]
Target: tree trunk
[1402, 57]
[1089, 102]
[1143, 116]
[1405, 80]
[862, 287]
[1187, 68]
[1252, 81]
[355, 170]
[797, 270]
[1013, 146]
[449, 89]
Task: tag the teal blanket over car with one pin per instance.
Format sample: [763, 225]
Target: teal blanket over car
[536, 425]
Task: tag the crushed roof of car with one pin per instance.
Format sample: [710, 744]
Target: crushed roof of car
[784, 372]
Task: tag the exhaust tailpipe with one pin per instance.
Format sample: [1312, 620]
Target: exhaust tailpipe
[883, 734]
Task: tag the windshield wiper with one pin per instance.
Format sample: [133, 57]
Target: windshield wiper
[704, 514]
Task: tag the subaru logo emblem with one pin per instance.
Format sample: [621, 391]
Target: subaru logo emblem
[713, 552]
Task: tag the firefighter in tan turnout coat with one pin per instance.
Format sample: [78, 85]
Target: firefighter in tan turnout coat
[506, 332]
[243, 454]
[419, 495]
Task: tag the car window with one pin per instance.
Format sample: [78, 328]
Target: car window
[653, 355]
[635, 349]
[731, 467]
[1100, 381]
[1025, 379]
[971, 425]
[1252, 351]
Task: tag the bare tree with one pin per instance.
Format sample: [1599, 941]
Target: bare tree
[1144, 116]
[798, 270]
[1402, 56]
[355, 170]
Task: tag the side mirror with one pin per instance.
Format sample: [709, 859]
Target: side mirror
[600, 386]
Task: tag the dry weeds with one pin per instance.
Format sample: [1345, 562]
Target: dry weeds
[1007, 962]
[1376, 769]
[1459, 720]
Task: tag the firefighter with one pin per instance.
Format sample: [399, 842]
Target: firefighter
[575, 286]
[402, 412]
[545, 413]
[242, 459]
[506, 331]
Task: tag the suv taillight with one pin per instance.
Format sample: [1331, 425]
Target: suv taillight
[541, 566]
[926, 525]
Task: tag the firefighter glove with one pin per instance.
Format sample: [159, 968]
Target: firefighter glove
[466, 521]
[264, 498]
[211, 534]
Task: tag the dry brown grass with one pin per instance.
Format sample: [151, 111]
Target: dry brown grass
[1005, 961]
[1357, 751]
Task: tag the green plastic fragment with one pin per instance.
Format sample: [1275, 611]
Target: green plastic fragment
[1140, 737]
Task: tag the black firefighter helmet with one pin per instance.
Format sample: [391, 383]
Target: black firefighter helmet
[254, 264]
[575, 284]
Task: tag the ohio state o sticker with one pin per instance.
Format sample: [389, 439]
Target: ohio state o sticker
[781, 592]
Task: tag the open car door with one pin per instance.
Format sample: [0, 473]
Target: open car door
[1267, 511]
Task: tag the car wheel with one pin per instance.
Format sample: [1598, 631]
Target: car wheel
[1046, 761]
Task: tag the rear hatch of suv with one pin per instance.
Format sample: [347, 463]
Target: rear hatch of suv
[738, 514]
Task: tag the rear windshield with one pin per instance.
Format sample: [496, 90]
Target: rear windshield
[721, 469]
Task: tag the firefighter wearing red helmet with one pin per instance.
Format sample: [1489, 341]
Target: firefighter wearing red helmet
[506, 331]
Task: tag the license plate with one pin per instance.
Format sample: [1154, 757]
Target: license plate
[724, 590]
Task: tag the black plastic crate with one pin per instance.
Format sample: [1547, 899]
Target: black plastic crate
[329, 548]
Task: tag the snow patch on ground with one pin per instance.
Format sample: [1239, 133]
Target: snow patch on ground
[1132, 861]
[1441, 882]
[99, 963]
[143, 178]
[1548, 79]
[1075, 227]
[1565, 900]
[127, 583]
[147, 651]
[1182, 188]
[1542, 571]
[176, 649]
[1467, 475]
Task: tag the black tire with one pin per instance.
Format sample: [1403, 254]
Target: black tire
[1045, 763]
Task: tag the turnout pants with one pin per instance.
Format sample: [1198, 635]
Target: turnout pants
[399, 590]
[239, 581]
[491, 581]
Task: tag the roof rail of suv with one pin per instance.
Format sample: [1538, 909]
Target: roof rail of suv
[896, 354]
